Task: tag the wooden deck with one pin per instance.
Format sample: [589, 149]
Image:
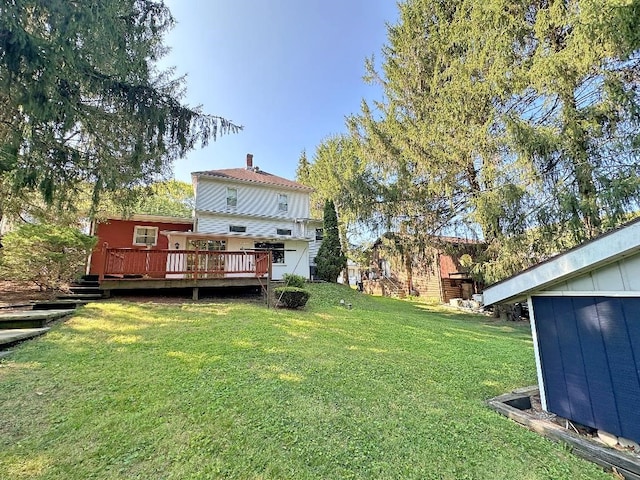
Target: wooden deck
[130, 269]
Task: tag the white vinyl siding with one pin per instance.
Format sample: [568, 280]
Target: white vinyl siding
[255, 227]
[619, 276]
[314, 244]
[259, 200]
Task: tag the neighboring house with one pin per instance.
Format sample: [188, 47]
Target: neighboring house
[433, 273]
[241, 216]
[353, 273]
[139, 232]
[584, 307]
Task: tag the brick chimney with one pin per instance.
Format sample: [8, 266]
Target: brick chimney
[249, 161]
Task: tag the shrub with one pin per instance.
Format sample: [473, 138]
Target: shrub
[47, 255]
[292, 297]
[330, 260]
[291, 280]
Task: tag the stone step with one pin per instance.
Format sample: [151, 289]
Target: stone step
[79, 296]
[21, 319]
[59, 305]
[84, 281]
[14, 306]
[82, 289]
[10, 337]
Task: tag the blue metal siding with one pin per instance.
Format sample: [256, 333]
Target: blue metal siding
[590, 356]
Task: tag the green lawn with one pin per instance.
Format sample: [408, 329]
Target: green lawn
[389, 389]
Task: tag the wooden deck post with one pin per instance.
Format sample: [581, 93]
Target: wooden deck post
[196, 292]
[269, 274]
[103, 265]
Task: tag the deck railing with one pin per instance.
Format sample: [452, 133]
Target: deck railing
[195, 264]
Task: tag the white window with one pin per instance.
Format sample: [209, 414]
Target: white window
[283, 202]
[276, 249]
[232, 197]
[145, 235]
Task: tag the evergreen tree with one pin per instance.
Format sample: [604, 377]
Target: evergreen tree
[513, 122]
[302, 170]
[330, 260]
[82, 100]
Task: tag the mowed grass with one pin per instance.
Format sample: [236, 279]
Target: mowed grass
[390, 389]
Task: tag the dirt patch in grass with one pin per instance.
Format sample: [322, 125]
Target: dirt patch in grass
[12, 293]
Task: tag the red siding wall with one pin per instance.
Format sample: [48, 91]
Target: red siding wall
[119, 234]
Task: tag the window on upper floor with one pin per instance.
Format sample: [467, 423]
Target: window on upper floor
[283, 231]
[232, 197]
[237, 228]
[283, 202]
[147, 236]
[319, 233]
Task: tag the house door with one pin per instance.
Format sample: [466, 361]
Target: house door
[590, 358]
[210, 261]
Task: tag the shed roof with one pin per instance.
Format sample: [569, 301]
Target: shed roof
[603, 250]
[143, 217]
[252, 175]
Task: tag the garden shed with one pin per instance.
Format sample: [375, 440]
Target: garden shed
[584, 307]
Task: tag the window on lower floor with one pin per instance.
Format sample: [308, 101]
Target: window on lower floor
[147, 236]
[209, 245]
[277, 250]
[319, 233]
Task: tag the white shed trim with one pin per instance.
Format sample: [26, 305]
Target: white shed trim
[589, 293]
[603, 250]
[536, 350]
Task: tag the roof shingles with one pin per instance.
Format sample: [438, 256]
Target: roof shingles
[252, 176]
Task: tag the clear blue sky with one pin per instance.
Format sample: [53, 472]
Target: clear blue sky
[289, 71]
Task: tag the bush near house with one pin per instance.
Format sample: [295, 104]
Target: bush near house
[292, 280]
[47, 255]
[292, 297]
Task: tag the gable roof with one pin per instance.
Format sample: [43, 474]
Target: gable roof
[252, 175]
[603, 250]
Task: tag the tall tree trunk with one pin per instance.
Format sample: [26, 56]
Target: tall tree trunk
[577, 151]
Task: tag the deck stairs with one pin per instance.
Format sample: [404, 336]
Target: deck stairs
[392, 287]
[85, 289]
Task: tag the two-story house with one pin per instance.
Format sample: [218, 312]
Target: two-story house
[242, 217]
[247, 209]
